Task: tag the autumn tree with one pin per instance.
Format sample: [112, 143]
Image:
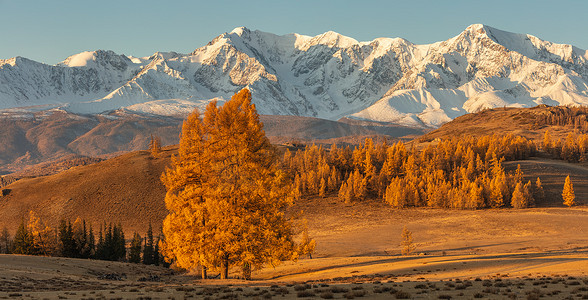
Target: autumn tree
[568, 192]
[406, 242]
[538, 191]
[44, 237]
[225, 194]
[519, 197]
[306, 245]
[155, 146]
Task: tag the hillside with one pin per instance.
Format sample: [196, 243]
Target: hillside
[328, 76]
[30, 139]
[125, 190]
[530, 123]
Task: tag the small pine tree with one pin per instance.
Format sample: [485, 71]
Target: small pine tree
[539, 193]
[307, 245]
[148, 249]
[135, 250]
[568, 193]
[23, 241]
[406, 243]
[155, 146]
[322, 188]
[5, 241]
[518, 197]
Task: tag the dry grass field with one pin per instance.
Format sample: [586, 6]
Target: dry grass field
[491, 254]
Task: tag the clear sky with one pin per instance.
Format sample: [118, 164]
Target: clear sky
[50, 30]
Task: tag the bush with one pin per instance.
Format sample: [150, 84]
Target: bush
[402, 295]
[305, 294]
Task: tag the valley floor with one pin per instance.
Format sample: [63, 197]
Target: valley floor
[493, 254]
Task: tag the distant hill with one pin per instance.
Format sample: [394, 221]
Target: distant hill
[125, 189]
[29, 139]
[530, 123]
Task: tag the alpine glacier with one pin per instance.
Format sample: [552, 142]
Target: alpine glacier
[328, 76]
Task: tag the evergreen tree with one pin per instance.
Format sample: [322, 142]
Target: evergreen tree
[68, 247]
[5, 241]
[223, 185]
[538, 191]
[568, 193]
[23, 241]
[135, 249]
[148, 249]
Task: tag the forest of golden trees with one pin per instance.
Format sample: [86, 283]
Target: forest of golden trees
[574, 116]
[457, 173]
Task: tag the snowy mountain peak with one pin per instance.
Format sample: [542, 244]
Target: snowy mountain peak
[334, 39]
[327, 76]
[240, 31]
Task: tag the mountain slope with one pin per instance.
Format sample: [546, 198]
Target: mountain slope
[328, 76]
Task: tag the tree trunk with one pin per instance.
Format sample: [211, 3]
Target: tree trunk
[204, 275]
[225, 267]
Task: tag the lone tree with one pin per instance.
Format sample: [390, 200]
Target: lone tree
[155, 146]
[568, 193]
[225, 194]
[406, 242]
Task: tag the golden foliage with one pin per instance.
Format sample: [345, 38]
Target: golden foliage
[225, 194]
[407, 244]
[464, 173]
[568, 194]
[155, 146]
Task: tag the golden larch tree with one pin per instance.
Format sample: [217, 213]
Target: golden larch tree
[225, 195]
[155, 146]
[406, 242]
[568, 193]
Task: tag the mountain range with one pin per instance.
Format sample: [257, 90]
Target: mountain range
[329, 76]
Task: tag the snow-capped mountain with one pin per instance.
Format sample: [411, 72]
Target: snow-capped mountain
[327, 76]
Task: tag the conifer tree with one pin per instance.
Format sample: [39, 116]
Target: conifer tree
[43, 236]
[148, 249]
[225, 194]
[155, 146]
[5, 241]
[568, 193]
[538, 191]
[23, 241]
[135, 249]
[306, 245]
[407, 243]
[519, 199]
[322, 188]
[68, 246]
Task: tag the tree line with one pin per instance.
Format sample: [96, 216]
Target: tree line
[574, 116]
[463, 173]
[78, 240]
[572, 148]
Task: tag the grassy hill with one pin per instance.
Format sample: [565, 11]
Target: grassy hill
[125, 190]
[530, 123]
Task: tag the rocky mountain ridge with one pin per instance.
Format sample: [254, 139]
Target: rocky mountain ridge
[328, 76]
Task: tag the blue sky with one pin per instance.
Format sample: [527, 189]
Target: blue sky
[49, 31]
